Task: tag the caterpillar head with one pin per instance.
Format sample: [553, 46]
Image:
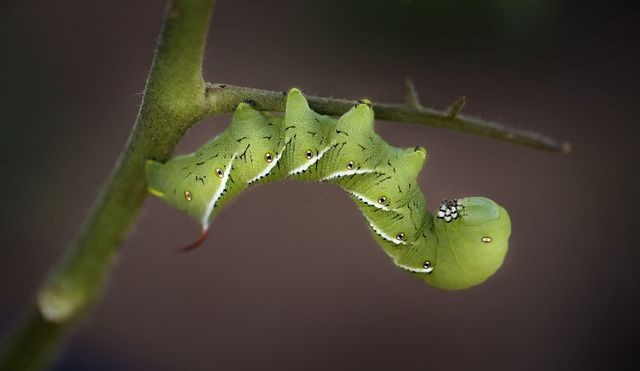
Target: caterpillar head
[468, 246]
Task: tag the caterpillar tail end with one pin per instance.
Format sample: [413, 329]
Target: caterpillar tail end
[194, 245]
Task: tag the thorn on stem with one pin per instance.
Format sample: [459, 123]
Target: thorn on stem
[412, 94]
[457, 107]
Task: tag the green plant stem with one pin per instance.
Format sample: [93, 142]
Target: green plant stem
[223, 98]
[172, 102]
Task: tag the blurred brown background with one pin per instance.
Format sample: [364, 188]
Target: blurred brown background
[290, 278]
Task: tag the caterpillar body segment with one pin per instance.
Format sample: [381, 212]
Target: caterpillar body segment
[460, 246]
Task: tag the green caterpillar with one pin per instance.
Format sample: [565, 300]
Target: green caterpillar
[462, 246]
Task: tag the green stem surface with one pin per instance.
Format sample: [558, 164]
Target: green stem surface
[223, 98]
[172, 102]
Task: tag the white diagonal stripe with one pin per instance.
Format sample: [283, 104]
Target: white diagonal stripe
[308, 164]
[382, 234]
[416, 270]
[369, 201]
[268, 169]
[219, 191]
[346, 173]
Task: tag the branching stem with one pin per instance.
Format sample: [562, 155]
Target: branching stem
[223, 98]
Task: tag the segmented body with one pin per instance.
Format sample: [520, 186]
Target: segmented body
[462, 247]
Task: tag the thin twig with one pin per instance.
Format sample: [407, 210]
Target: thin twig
[457, 107]
[412, 94]
[223, 98]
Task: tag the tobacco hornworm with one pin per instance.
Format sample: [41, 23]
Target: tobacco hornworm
[463, 245]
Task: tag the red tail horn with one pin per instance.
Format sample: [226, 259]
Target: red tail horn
[196, 243]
